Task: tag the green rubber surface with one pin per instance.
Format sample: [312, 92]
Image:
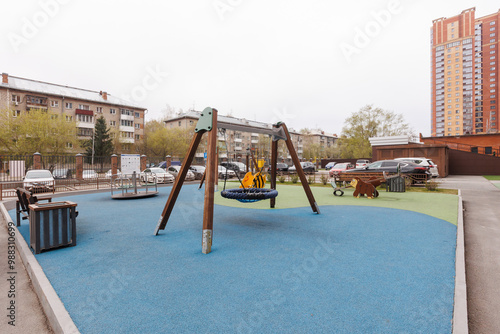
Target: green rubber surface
[442, 206]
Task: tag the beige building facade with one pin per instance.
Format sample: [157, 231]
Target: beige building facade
[126, 120]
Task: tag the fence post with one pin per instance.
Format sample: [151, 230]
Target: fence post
[143, 162]
[37, 161]
[168, 160]
[114, 165]
[79, 166]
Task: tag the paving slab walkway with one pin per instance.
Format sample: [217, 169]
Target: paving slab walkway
[481, 200]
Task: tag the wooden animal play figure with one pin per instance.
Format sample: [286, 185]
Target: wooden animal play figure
[363, 188]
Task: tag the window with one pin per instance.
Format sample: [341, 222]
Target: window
[125, 122]
[492, 29]
[69, 105]
[126, 112]
[191, 122]
[137, 137]
[69, 145]
[69, 118]
[493, 22]
[16, 98]
[180, 123]
[16, 113]
[137, 126]
[137, 115]
[84, 106]
[54, 104]
[98, 109]
[492, 35]
[112, 111]
[112, 123]
[85, 118]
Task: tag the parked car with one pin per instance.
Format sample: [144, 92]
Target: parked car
[433, 168]
[223, 171]
[307, 167]
[339, 168]
[330, 165]
[89, 174]
[117, 175]
[198, 171]
[280, 167]
[163, 164]
[61, 173]
[174, 170]
[238, 167]
[149, 175]
[391, 166]
[39, 180]
[362, 163]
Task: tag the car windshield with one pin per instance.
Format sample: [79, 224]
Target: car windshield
[340, 166]
[39, 174]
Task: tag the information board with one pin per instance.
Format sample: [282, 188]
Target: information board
[130, 163]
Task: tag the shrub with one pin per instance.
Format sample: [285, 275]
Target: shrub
[310, 179]
[282, 178]
[294, 178]
[432, 185]
[324, 179]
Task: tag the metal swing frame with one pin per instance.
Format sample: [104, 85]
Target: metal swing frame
[208, 123]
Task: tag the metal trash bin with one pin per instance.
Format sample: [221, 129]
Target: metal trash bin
[52, 225]
[396, 184]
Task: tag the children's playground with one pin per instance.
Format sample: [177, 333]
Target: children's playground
[239, 257]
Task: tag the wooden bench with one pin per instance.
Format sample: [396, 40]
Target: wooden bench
[24, 199]
[347, 177]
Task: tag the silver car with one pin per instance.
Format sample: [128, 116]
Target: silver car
[174, 170]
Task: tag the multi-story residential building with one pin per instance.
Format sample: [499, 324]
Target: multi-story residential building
[238, 142]
[464, 74]
[20, 95]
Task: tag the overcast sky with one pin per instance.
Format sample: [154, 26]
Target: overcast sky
[309, 63]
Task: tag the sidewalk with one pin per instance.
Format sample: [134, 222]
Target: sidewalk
[29, 317]
[482, 250]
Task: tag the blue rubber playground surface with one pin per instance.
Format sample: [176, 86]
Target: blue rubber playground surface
[351, 269]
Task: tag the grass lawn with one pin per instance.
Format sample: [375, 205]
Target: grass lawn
[492, 177]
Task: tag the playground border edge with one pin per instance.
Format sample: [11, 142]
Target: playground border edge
[460, 323]
[57, 315]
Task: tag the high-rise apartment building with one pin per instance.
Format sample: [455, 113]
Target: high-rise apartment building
[464, 74]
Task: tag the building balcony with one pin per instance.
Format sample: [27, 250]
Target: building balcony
[238, 140]
[124, 128]
[85, 125]
[126, 140]
[238, 148]
[254, 141]
[127, 117]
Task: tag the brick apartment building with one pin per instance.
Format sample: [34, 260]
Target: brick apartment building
[464, 74]
[238, 142]
[19, 95]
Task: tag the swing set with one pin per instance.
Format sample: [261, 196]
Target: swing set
[209, 123]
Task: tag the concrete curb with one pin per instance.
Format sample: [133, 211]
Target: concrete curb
[59, 319]
[460, 316]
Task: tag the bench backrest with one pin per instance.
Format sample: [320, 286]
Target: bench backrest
[25, 198]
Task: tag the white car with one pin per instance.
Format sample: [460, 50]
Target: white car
[38, 180]
[149, 175]
[223, 171]
[89, 174]
[117, 175]
[362, 163]
[433, 168]
[174, 170]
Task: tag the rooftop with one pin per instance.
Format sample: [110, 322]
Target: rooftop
[41, 87]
